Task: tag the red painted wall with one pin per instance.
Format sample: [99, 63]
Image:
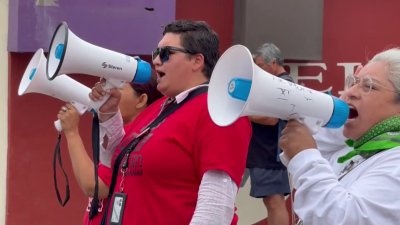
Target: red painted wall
[353, 31]
[219, 14]
[31, 195]
[31, 198]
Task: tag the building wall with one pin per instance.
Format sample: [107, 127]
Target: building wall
[352, 32]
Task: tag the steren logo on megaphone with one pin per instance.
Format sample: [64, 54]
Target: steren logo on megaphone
[106, 65]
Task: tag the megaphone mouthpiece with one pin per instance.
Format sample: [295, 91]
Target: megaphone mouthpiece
[143, 72]
[340, 113]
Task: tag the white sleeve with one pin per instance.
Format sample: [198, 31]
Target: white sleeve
[330, 140]
[332, 144]
[367, 195]
[111, 134]
[216, 199]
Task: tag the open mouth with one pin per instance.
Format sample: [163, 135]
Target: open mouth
[353, 113]
[160, 74]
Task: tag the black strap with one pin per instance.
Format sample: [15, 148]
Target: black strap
[95, 203]
[57, 157]
[131, 146]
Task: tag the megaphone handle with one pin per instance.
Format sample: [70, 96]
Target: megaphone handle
[110, 83]
[313, 124]
[79, 107]
[57, 125]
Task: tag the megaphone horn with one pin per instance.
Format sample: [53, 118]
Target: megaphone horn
[63, 87]
[69, 54]
[238, 88]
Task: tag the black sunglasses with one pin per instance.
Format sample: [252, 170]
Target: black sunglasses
[165, 51]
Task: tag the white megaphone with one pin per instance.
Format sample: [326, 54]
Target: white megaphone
[69, 54]
[238, 88]
[63, 87]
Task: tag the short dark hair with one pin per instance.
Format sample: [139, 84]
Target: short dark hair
[149, 88]
[197, 37]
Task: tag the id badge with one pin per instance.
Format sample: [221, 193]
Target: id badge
[118, 206]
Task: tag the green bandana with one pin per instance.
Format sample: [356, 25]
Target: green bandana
[383, 136]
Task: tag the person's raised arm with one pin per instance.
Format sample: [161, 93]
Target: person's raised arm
[82, 164]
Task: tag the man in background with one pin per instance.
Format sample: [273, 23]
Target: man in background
[269, 178]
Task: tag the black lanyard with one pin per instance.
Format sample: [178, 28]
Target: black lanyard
[95, 203]
[131, 146]
[57, 158]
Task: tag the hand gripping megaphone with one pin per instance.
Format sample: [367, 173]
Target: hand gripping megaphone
[63, 87]
[238, 88]
[69, 54]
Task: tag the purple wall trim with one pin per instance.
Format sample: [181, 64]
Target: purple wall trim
[126, 26]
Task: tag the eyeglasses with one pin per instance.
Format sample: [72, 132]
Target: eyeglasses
[165, 51]
[366, 83]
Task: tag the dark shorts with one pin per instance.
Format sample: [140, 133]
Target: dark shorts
[267, 182]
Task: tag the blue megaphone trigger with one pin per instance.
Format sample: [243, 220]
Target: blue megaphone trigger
[59, 51]
[239, 88]
[32, 74]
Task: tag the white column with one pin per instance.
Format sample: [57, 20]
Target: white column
[3, 106]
